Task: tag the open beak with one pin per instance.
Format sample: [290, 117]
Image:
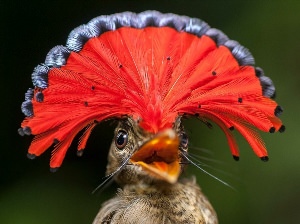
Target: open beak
[159, 156]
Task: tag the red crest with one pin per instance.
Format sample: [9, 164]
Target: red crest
[153, 67]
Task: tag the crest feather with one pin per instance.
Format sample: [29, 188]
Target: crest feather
[152, 67]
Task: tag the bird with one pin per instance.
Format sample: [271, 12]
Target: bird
[159, 198]
[148, 71]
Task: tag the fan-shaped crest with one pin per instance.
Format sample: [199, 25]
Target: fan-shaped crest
[153, 67]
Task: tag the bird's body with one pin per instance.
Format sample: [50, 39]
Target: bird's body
[151, 199]
[182, 202]
[149, 71]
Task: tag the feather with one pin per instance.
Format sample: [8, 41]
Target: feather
[152, 67]
[83, 139]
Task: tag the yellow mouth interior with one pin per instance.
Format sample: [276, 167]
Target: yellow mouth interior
[159, 156]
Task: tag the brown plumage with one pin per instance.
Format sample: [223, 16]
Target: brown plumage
[182, 202]
[146, 198]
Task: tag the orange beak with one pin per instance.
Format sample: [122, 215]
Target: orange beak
[159, 156]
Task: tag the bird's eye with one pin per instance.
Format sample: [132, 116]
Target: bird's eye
[184, 140]
[121, 139]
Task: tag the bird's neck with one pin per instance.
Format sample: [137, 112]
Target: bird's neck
[182, 202]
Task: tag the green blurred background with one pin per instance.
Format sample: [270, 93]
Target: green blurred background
[264, 192]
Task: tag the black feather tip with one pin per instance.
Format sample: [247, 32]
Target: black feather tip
[27, 130]
[55, 141]
[282, 129]
[278, 111]
[53, 169]
[236, 158]
[31, 156]
[39, 96]
[21, 132]
[264, 158]
[79, 153]
[272, 130]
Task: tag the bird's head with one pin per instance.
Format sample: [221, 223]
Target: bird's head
[142, 156]
[148, 70]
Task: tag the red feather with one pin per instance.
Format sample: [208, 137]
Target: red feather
[152, 74]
